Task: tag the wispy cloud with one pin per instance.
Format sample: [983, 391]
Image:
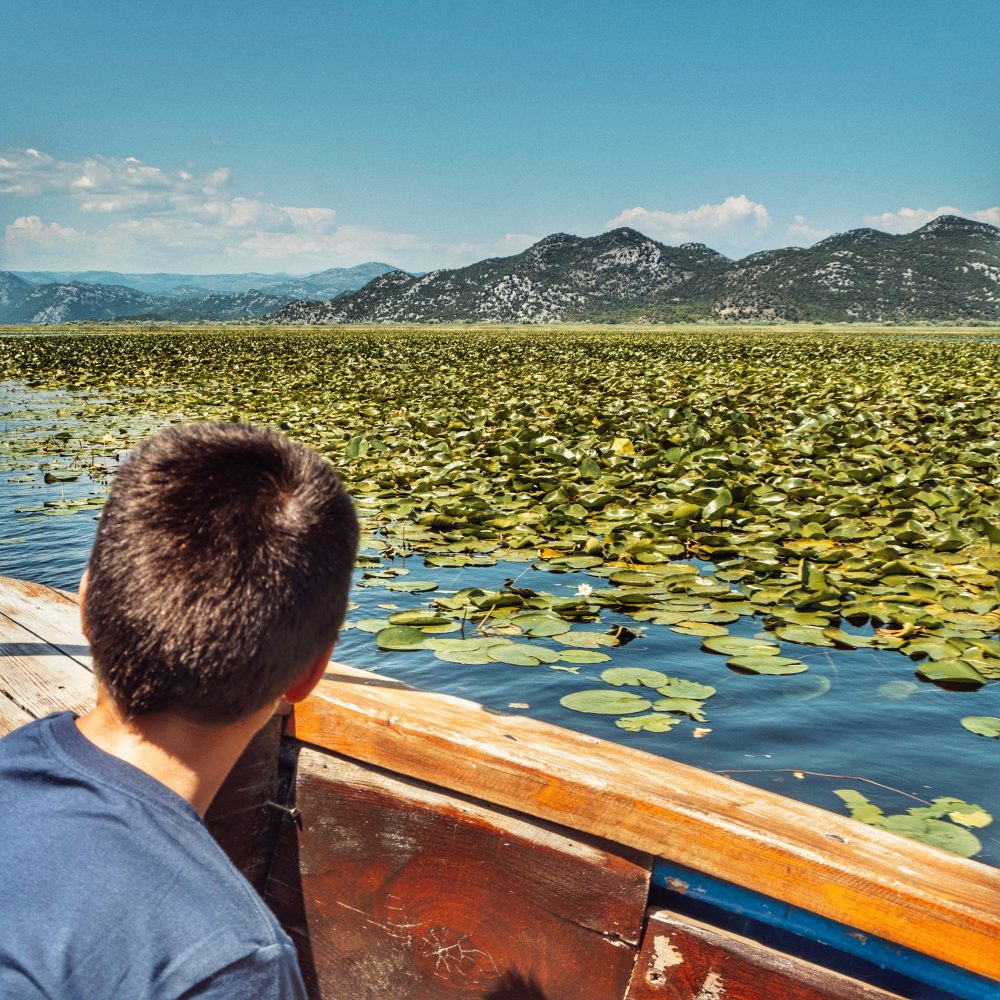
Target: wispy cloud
[737, 219]
[906, 219]
[131, 215]
[801, 232]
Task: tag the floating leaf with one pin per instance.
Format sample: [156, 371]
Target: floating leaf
[951, 672]
[400, 637]
[806, 635]
[605, 701]
[688, 706]
[982, 725]
[678, 687]
[634, 675]
[519, 654]
[418, 618]
[767, 664]
[372, 625]
[658, 722]
[702, 629]
[412, 586]
[583, 656]
[586, 639]
[737, 645]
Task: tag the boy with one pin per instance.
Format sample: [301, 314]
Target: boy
[216, 587]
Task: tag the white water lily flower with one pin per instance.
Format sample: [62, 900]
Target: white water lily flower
[704, 581]
[584, 590]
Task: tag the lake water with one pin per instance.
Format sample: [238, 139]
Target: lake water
[857, 719]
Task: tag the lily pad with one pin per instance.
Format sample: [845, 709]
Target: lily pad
[678, 687]
[982, 725]
[737, 645]
[634, 675]
[605, 701]
[688, 706]
[583, 656]
[400, 637]
[412, 586]
[951, 671]
[767, 664]
[658, 722]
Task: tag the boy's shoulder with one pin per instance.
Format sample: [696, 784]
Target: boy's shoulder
[113, 885]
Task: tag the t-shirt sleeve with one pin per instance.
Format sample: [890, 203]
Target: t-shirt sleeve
[271, 972]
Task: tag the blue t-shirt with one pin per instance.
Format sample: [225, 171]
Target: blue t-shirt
[112, 887]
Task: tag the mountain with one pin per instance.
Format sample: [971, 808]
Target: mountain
[949, 270]
[85, 300]
[327, 283]
[215, 307]
[562, 277]
[13, 290]
[60, 303]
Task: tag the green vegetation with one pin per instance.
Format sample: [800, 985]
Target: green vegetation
[928, 824]
[833, 478]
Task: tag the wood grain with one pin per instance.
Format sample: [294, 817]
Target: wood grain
[52, 615]
[11, 715]
[683, 959]
[39, 678]
[393, 888]
[900, 890]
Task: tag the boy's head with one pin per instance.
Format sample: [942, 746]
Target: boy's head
[220, 571]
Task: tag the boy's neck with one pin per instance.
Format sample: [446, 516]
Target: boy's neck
[190, 758]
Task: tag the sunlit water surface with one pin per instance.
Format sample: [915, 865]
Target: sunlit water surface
[790, 734]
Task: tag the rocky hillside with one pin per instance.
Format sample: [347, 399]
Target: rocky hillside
[64, 301]
[949, 270]
[560, 278]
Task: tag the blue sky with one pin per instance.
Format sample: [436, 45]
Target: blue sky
[223, 136]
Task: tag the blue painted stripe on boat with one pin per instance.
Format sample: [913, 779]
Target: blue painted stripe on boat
[932, 972]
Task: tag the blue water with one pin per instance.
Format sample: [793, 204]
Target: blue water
[763, 729]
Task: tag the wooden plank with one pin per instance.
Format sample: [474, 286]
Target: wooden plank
[239, 818]
[683, 959]
[867, 878]
[39, 678]
[50, 614]
[11, 715]
[393, 888]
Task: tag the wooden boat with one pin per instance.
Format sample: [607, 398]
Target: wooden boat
[416, 846]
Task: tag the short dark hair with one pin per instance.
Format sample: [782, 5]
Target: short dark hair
[219, 573]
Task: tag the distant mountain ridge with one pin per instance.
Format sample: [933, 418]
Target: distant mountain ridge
[32, 297]
[948, 270]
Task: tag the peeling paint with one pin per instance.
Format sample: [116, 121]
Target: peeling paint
[713, 988]
[665, 956]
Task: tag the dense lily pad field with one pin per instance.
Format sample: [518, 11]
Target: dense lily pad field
[779, 497]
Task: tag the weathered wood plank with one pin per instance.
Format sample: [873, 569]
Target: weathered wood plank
[39, 678]
[393, 888]
[11, 715]
[239, 819]
[910, 894]
[683, 959]
[52, 615]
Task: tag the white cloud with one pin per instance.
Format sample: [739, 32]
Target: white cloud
[736, 219]
[132, 216]
[908, 219]
[803, 233]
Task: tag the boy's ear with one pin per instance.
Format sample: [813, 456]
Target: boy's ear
[309, 678]
[83, 604]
